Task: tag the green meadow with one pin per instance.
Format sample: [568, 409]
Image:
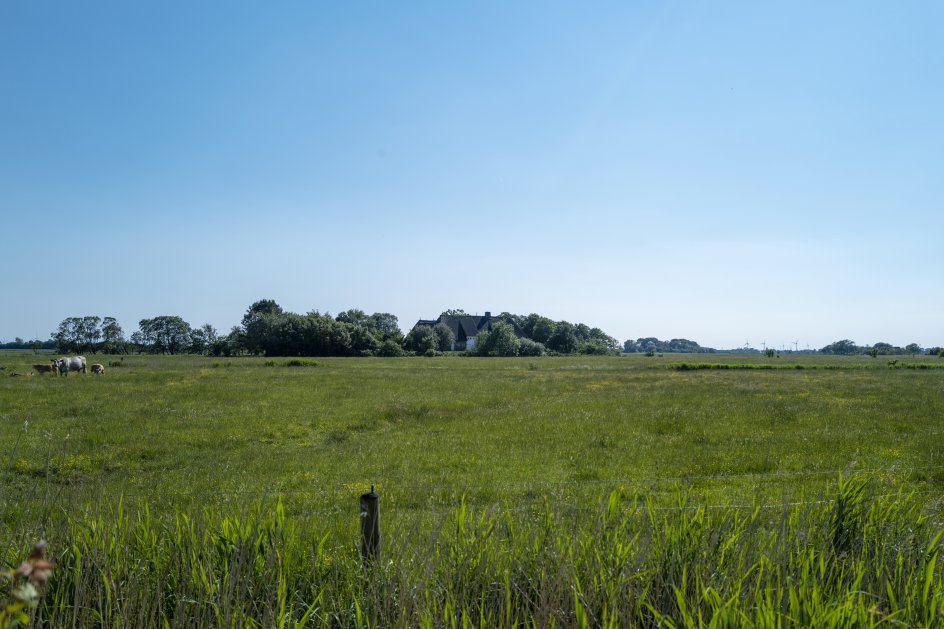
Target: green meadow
[572, 491]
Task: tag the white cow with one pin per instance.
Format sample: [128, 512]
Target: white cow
[73, 363]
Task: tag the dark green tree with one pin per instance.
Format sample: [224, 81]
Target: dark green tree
[257, 322]
[203, 338]
[538, 328]
[113, 337]
[90, 333]
[354, 317]
[501, 340]
[843, 347]
[422, 339]
[564, 338]
[445, 339]
[387, 324]
[166, 334]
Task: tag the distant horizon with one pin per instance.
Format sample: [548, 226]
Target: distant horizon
[720, 172]
[406, 326]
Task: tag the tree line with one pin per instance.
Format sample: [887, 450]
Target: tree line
[846, 347]
[542, 335]
[166, 334]
[652, 344]
[267, 329]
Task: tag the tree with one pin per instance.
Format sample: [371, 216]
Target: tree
[90, 333]
[165, 334]
[363, 341]
[886, 348]
[843, 347]
[610, 343]
[354, 317]
[257, 322]
[232, 344]
[504, 339]
[501, 340]
[913, 348]
[564, 338]
[203, 338]
[445, 339]
[112, 336]
[454, 312]
[67, 335]
[387, 324]
[512, 318]
[538, 328]
[422, 339]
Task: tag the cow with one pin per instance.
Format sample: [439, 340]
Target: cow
[41, 369]
[99, 369]
[74, 363]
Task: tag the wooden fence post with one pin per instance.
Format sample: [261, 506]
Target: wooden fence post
[370, 526]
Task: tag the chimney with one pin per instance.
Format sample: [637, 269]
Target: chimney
[488, 315]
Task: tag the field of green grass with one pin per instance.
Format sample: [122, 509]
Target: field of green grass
[593, 451]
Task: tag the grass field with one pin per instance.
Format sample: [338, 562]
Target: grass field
[468, 445]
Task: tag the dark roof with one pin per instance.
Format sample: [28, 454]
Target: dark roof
[467, 326]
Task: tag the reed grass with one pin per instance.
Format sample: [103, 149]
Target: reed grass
[849, 558]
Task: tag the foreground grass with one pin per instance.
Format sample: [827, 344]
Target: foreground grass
[852, 559]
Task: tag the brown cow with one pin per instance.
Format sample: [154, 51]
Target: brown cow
[99, 369]
[41, 369]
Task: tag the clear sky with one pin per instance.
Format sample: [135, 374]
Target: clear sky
[718, 171]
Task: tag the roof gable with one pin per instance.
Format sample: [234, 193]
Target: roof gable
[468, 326]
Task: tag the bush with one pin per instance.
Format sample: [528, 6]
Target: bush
[500, 341]
[422, 338]
[390, 349]
[595, 347]
[300, 362]
[527, 347]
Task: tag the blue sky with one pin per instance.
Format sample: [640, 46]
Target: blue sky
[714, 171]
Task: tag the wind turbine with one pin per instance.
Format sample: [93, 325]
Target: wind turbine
[796, 345]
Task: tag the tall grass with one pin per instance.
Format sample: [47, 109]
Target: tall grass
[850, 558]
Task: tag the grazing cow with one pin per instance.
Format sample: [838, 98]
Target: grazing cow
[74, 363]
[99, 369]
[41, 369]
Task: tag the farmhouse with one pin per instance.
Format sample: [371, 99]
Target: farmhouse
[466, 327]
